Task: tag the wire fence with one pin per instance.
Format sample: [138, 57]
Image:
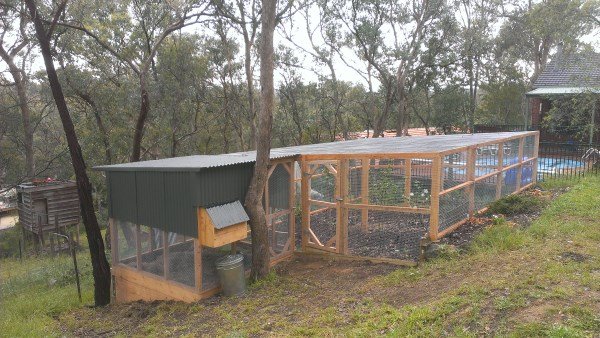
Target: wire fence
[567, 160]
[560, 157]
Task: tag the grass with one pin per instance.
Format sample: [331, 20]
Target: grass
[539, 281]
[34, 292]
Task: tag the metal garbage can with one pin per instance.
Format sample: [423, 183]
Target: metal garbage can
[231, 274]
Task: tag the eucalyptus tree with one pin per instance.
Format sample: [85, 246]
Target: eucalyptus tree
[476, 20]
[366, 26]
[321, 28]
[244, 16]
[44, 31]
[532, 30]
[15, 51]
[410, 22]
[133, 34]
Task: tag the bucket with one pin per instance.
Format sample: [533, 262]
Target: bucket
[231, 274]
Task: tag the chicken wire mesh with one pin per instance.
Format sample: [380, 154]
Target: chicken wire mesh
[280, 210]
[485, 192]
[181, 266]
[511, 152]
[528, 147]
[386, 234]
[152, 259]
[322, 183]
[279, 232]
[322, 227]
[126, 243]
[454, 169]
[486, 160]
[454, 207]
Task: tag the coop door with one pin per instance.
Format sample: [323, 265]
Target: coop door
[323, 231]
[40, 207]
[279, 205]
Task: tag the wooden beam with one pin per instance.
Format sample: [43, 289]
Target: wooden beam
[407, 179]
[197, 265]
[520, 161]
[471, 162]
[364, 191]
[323, 203]
[292, 207]
[456, 187]
[334, 256]
[343, 174]
[338, 210]
[305, 195]
[114, 241]
[165, 240]
[536, 149]
[138, 247]
[393, 208]
[134, 285]
[499, 169]
[434, 216]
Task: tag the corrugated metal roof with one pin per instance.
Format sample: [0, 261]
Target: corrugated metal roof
[398, 145]
[228, 214]
[562, 91]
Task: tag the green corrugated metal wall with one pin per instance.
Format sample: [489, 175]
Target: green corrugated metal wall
[169, 200]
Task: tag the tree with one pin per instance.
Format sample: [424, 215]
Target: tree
[11, 55]
[154, 22]
[100, 267]
[244, 15]
[533, 30]
[254, 196]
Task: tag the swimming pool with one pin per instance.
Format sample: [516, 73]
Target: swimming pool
[546, 165]
[554, 165]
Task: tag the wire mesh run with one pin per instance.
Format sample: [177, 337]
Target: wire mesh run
[126, 243]
[454, 207]
[383, 207]
[485, 192]
[386, 234]
[181, 267]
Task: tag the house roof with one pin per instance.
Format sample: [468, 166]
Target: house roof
[419, 146]
[228, 214]
[571, 70]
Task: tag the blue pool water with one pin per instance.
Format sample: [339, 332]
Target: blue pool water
[547, 164]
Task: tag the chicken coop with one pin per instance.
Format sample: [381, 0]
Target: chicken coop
[377, 199]
[48, 206]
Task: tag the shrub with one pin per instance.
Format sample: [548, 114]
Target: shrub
[515, 204]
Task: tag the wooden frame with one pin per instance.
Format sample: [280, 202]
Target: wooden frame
[136, 284]
[434, 169]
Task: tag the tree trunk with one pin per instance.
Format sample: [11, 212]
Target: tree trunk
[250, 84]
[254, 197]
[21, 85]
[100, 267]
[142, 116]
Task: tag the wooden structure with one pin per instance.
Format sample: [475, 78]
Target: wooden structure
[374, 199]
[150, 263]
[48, 206]
[442, 185]
[222, 225]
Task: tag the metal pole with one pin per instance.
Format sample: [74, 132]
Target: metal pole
[593, 123]
[74, 255]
